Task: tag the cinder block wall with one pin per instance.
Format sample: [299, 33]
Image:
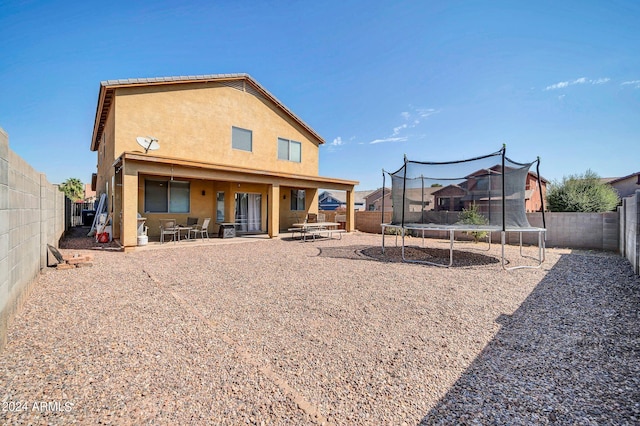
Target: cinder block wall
[367, 221]
[31, 215]
[630, 230]
[599, 231]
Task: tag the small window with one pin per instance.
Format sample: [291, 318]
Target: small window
[241, 139]
[298, 199]
[161, 196]
[289, 150]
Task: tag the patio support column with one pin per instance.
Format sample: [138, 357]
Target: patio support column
[312, 200]
[129, 226]
[230, 202]
[273, 210]
[351, 206]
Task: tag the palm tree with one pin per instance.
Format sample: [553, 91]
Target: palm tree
[73, 189]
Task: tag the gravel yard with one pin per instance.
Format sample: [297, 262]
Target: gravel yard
[285, 332]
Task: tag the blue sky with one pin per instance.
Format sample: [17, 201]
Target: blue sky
[435, 80]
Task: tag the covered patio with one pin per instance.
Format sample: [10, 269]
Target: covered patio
[252, 201]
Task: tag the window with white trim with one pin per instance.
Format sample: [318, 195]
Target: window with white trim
[241, 139]
[162, 196]
[289, 150]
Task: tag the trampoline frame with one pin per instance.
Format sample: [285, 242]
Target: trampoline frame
[466, 228]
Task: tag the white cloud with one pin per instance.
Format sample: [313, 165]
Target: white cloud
[424, 113]
[402, 139]
[635, 83]
[560, 85]
[336, 144]
[581, 80]
[411, 119]
[397, 130]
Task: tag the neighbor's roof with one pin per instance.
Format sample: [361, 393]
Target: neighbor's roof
[341, 196]
[107, 88]
[619, 179]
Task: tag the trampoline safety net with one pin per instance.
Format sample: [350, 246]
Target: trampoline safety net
[492, 186]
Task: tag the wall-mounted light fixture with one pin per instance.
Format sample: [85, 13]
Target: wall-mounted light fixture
[284, 197]
[203, 193]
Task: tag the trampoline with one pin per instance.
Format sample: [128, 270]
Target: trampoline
[485, 195]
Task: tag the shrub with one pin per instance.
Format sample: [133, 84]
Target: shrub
[582, 193]
[472, 216]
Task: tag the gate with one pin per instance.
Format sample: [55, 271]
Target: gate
[77, 210]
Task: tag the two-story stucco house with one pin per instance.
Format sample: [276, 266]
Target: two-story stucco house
[228, 150]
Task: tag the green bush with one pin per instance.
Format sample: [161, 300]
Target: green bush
[582, 193]
[472, 216]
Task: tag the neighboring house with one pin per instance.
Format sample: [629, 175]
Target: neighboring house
[332, 200]
[477, 189]
[228, 150]
[373, 201]
[626, 185]
[89, 193]
[449, 198]
[420, 199]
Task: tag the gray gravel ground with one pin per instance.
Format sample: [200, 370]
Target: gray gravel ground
[286, 332]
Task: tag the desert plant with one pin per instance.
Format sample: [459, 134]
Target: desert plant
[472, 216]
[582, 193]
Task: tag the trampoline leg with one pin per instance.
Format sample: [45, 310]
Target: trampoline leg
[520, 243]
[502, 236]
[541, 253]
[383, 231]
[451, 235]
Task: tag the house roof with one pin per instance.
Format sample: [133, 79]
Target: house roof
[498, 167]
[341, 196]
[377, 193]
[619, 179]
[107, 89]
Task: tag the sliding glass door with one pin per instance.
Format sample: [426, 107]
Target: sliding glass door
[248, 212]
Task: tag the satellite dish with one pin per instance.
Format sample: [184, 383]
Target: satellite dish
[148, 143]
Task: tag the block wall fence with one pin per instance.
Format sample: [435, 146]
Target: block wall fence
[596, 231]
[32, 213]
[630, 231]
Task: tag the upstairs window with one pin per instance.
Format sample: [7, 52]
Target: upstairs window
[241, 139]
[289, 150]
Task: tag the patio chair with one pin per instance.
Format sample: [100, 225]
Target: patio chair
[168, 227]
[322, 217]
[312, 218]
[203, 229]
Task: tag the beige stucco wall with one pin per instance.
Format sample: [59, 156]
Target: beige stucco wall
[194, 122]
